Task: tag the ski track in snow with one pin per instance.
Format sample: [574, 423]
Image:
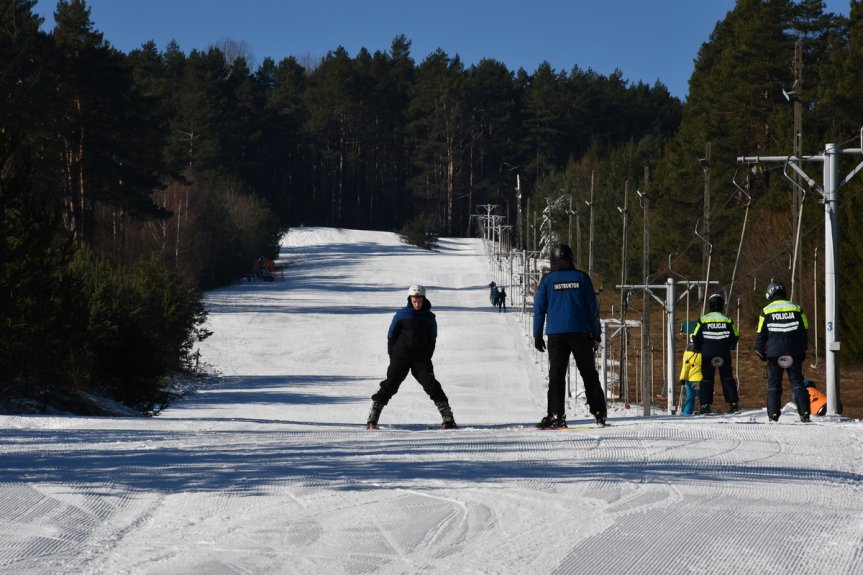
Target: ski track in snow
[270, 468]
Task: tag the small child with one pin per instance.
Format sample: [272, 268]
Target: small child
[690, 377]
[817, 399]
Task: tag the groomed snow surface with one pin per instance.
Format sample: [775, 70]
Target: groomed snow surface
[269, 469]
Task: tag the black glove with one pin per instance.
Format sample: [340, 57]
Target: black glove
[759, 353]
[682, 383]
[539, 344]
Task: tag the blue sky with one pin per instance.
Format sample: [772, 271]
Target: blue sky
[647, 40]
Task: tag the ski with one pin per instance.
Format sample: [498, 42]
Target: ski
[581, 427]
[388, 427]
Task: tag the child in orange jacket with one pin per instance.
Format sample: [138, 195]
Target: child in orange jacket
[817, 399]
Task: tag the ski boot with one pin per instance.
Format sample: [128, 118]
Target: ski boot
[804, 417]
[773, 417]
[374, 415]
[552, 421]
[448, 421]
[732, 408]
[706, 409]
[600, 418]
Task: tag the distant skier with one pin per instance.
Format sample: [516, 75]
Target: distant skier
[566, 296]
[265, 268]
[410, 344]
[715, 336]
[781, 340]
[501, 300]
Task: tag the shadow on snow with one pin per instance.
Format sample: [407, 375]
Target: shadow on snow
[349, 457]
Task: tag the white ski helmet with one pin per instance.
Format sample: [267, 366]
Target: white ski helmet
[416, 289]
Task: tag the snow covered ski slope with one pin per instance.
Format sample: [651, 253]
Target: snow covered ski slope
[270, 470]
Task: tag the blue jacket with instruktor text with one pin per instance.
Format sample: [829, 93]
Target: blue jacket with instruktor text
[565, 303]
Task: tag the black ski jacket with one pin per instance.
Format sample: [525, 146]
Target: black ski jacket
[782, 330]
[412, 334]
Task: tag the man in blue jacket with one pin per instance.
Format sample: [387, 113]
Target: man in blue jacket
[410, 343]
[566, 304]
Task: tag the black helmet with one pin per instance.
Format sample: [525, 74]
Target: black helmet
[716, 302]
[561, 252]
[775, 291]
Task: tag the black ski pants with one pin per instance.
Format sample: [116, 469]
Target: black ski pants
[726, 377]
[580, 345]
[774, 385]
[397, 372]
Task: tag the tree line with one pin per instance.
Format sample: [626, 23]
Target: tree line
[132, 181]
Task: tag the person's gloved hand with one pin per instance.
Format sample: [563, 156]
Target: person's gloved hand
[596, 344]
[539, 344]
[682, 383]
[759, 353]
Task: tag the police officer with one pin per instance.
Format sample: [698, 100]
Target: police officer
[781, 340]
[566, 304]
[715, 336]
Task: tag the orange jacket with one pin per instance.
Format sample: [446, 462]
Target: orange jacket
[817, 401]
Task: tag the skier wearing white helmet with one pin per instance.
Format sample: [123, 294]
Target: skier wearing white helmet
[411, 343]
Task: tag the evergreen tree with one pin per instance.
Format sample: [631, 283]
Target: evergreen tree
[286, 141]
[437, 129]
[495, 128]
[736, 106]
[838, 94]
[29, 211]
[333, 123]
[545, 110]
[199, 112]
[106, 159]
[393, 75]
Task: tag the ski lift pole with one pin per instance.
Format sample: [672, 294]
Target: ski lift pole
[737, 352]
[742, 235]
[799, 216]
[670, 351]
[815, 304]
[831, 184]
[709, 260]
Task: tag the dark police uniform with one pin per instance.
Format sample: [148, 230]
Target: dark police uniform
[782, 339]
[715, 336]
